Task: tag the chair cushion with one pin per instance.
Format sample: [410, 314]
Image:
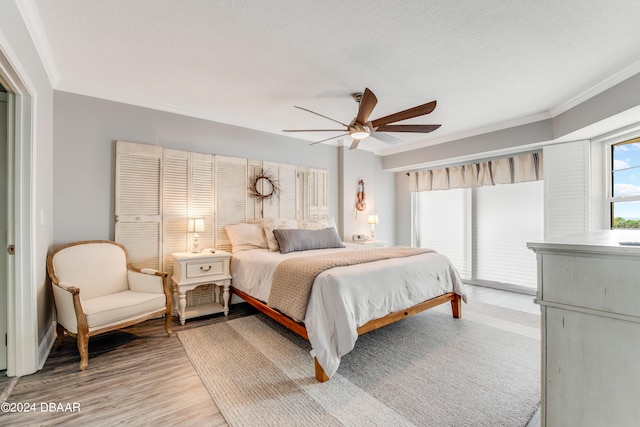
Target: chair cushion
[96, 268]
[119, 307]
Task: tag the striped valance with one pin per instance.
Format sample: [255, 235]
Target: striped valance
[507, 170]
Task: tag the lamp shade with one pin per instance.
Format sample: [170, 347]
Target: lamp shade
[372, 219]
[195, 225]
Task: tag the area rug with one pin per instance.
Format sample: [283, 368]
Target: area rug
[426, 370]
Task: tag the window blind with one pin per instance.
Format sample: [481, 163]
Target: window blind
[484, 230]
[445, 225]
[505, 218]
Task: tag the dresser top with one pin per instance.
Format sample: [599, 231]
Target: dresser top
[596, 241]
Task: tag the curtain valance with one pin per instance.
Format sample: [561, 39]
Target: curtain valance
[507, 170]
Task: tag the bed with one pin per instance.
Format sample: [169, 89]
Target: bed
[344, 301]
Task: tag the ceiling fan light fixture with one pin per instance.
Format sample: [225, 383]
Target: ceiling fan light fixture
[359, 134]
[357, 131]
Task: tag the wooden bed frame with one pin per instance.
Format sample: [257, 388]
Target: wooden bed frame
[299, 328]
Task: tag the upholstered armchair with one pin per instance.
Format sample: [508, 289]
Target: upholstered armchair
[96, 290]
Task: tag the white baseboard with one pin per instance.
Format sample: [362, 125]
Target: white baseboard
[503, 286]
[46, 345]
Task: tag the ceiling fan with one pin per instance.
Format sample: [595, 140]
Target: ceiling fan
[361, 128]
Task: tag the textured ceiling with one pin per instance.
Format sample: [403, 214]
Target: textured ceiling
[489, 63]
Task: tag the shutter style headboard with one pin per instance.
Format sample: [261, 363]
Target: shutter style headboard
[158, 189]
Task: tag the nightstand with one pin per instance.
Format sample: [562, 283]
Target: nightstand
[192, 270]
[373, 243]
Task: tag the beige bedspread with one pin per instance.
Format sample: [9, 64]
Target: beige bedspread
[293, 278]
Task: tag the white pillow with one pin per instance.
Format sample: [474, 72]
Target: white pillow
[270, 224]
[246, 236]
[316, 224]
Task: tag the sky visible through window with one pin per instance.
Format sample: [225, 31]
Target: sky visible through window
[626, 180]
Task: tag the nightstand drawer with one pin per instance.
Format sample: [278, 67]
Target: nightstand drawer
[200, 269]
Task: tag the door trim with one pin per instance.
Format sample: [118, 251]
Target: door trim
[22, 315]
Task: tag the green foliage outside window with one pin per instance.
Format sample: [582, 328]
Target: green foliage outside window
[619, 222]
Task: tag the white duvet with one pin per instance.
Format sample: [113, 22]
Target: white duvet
[344, 298]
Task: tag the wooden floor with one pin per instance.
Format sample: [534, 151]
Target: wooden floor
[140, 376]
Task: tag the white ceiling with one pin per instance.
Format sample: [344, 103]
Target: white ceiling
[489, 64]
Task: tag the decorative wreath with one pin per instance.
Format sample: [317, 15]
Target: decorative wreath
[264, 185]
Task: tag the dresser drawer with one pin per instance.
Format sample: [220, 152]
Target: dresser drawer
[209, 268]
[598, 282]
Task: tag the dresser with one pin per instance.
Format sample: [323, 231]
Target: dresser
[204, 272]
[589, 293]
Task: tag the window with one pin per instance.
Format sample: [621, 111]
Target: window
[485, 230]
[481, 215]
[444, 224]
[624, 199]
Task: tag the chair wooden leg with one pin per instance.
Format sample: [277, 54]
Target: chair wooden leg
[59, 335]
[83, 349]
[167, 322]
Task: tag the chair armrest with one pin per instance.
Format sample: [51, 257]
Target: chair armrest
[146, 282]
[68, 306]
[68, 287]
[150, 271]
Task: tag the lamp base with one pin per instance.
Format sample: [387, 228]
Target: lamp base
[195, 248]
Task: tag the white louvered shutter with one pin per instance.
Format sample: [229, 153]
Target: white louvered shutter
[324, 193]
[271, 207]
[231, 196]
[253, 204]
[201, 195]
[137, 202]
[303, 193]
[288, 195]
[566, 186]
[283, 206]
[187, 193]
[175, 205]
[318, 193]
[314, 197]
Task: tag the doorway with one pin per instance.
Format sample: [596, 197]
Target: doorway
[18, 310]
[4, 222]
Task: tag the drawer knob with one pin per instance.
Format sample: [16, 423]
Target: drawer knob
[203, 269]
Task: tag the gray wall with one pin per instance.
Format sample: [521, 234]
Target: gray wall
[85, 132]
[379, 188]
[473, 147]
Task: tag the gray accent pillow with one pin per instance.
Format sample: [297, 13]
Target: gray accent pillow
[292, 240]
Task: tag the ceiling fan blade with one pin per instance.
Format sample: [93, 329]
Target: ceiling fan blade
[408, 128]
[328, 139]
[313, 130]
[387, 138]
[318, 114]
[367, 104]
[354, 144]
[420, 110]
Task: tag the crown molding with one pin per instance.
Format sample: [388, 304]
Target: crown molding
[125, 98]
[467, 134]
[32, 21]
[597, 89]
